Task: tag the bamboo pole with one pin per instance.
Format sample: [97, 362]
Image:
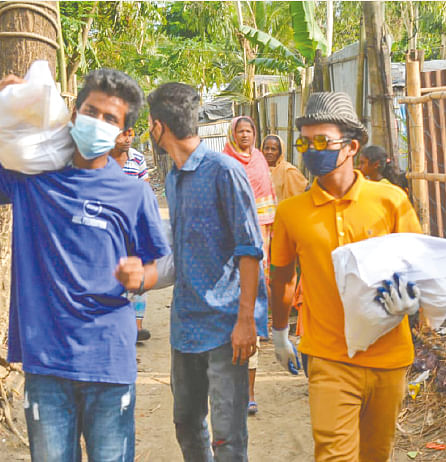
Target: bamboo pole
[434, 154]
[426, 176]
[290, 128]
[422, 99]
[416, 140]
[433, 89]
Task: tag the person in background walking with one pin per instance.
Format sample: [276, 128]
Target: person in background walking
[288, 181]
[376, 165]
[133, 163]
[241, 146]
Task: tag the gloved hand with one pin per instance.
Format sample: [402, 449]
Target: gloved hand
[285, 351]
[399, 297]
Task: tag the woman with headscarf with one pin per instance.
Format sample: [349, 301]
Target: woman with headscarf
[241, 146]
[288, 181]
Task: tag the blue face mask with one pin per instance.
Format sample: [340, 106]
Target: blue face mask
[93, 137]
[320, 163]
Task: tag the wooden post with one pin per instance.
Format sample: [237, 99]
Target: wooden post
[306, 83]
[416, 140]
[360, 73]
[273, 127]
[290, 127]
[382, 117]
[256, 118]
[326, 74]
[434, 155]
[264, 115]
[318, 79]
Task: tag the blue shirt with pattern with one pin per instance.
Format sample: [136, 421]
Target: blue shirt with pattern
[214, 223]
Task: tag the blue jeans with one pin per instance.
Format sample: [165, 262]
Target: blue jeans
[59, 410]
[194, 377]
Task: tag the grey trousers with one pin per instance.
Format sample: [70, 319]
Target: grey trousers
[194, 378]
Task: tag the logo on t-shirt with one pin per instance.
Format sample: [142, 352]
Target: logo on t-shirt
[91, 209]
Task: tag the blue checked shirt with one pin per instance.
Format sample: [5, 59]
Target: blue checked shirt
[214, 222]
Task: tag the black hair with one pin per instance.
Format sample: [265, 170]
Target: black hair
[245, 119]
[386, 167]
[114, 83]
[272, 137]
[350, 132]
[176, 105]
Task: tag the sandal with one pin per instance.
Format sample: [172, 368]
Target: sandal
[252, 408]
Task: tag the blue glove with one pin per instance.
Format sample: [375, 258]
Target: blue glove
[291, 366]
[285, 351]
[399, 297]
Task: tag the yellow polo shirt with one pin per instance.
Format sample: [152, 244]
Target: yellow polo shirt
[313, 224]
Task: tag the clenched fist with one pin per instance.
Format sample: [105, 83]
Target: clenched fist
[130, 273]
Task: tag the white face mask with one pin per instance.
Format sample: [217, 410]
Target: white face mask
[93, 137]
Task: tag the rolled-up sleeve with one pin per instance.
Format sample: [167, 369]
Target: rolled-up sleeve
[239, 208]
[150, 240]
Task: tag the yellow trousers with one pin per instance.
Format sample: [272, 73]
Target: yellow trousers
[353, 410]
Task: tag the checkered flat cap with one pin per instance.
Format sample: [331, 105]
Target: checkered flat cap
[335, 108]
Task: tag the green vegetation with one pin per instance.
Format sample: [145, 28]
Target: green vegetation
[211, 44]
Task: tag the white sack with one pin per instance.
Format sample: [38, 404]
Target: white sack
[360, 269]
[165, 265]
[33, 124]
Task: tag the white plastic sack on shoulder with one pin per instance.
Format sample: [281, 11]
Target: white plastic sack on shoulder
[360, 269]
[165, 265]
[33, 124]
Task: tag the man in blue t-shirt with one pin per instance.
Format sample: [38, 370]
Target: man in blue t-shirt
[82, 237]
[219, 302]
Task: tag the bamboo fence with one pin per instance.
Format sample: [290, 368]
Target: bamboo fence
[426, 106]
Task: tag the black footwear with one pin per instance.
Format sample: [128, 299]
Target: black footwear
[143, 334]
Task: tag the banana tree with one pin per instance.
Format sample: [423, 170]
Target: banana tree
[307, 37]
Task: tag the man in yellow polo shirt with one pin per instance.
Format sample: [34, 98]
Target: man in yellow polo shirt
[355, 401]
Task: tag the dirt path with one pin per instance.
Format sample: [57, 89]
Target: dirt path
[280, 432]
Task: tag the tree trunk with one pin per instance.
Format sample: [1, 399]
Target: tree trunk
[28, 31]
[382, 116]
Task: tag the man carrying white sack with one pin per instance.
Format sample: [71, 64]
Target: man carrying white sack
[354, 402]
[82, 237]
